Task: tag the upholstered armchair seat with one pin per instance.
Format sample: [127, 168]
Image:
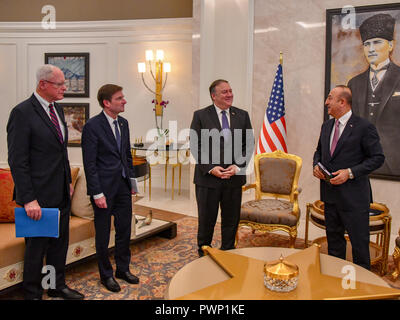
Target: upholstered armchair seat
[269, 211]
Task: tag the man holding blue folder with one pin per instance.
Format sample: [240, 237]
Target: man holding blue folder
[37, 138]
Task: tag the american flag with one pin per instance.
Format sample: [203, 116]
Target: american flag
[273, 131]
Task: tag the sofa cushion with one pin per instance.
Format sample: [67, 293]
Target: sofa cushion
[7, 204]
[11, 248]
[80, 229]
[74, 175]
[80, 204]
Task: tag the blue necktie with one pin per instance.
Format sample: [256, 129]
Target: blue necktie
[118, 138]
[225, 125]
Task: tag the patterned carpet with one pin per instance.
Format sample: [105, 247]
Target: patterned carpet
[156, 260]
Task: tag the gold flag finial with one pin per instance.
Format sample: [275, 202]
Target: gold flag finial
[281, 58]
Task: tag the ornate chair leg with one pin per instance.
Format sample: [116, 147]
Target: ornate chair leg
[293, 236]
[396, 260]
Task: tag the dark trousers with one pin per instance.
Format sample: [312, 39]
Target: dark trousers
[356, 223]
[119, 205]
[55, 252]
[208, 202]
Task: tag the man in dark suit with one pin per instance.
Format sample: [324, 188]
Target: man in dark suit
[376, 92]
[108, 167]
[37, 139]
[222, 142]
[349, 148]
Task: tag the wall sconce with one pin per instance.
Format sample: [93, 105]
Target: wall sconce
[160, 67]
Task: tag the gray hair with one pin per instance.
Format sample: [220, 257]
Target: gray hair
[44, 72]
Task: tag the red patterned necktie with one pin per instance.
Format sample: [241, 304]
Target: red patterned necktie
[335, 137]
[54, 119]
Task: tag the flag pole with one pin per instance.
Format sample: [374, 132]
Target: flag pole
[281, 58]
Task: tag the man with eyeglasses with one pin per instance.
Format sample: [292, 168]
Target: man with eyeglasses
[37, 139]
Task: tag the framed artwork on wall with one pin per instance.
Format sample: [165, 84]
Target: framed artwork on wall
[76, 71]
[363, 52]
[76, 115]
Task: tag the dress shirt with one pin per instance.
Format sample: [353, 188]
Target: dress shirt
[45, 104]
[342, 124]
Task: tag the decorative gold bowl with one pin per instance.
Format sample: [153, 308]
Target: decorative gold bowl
[281, 275]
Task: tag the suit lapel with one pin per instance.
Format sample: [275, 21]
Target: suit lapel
[45, 117]
[108, 131]
[362, 98]
[390, 81]
[60, 112]
[234, 120]
[214, 117]
[326, 137]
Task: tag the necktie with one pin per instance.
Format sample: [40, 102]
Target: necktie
[117, 135]
[54, 119]
[335, 137]
[375, 80]
[118, 138]
[225, 125]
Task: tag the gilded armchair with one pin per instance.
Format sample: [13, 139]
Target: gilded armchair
[276, 204]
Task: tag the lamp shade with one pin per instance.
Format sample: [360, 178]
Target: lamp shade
[141, 67]
[167, 67]
[160, 55]
[149, 55]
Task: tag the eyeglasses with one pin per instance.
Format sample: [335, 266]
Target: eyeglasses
[57, 84]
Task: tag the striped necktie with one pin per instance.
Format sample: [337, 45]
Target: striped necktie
[54, 120]
[335, 137]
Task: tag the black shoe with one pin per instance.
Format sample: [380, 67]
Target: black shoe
[65, 293]
[111, 284]
[127, 276]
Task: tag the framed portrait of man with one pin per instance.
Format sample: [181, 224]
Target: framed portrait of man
[363, 52]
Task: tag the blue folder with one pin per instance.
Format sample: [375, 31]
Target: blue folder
[46, 226]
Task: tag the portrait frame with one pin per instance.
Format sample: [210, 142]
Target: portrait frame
[76, 115]
[345, 57]
[76, 71]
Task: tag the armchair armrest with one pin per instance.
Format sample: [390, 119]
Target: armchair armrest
[248, 186]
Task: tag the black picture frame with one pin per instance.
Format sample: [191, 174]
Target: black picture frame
[76, 71]
[76, 115]
[345, 59]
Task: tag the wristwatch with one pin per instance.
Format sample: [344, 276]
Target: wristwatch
[351, 176]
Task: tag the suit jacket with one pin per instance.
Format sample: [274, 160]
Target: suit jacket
[238, 151]
[38, 161]
[388, 117]
[359, 149]
[102, 160]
